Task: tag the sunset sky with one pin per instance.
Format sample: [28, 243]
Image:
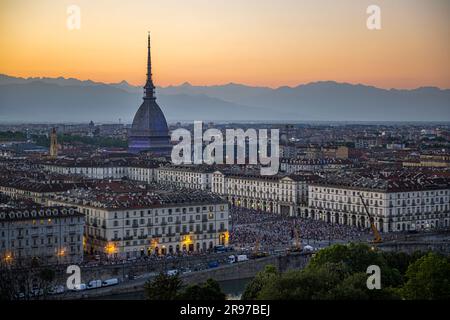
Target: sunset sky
[254, 42]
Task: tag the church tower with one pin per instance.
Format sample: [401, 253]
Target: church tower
[53, 144]
[149, 131]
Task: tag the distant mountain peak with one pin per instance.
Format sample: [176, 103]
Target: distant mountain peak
[63, 99]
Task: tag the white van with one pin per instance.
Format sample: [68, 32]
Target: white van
[94, 284]
[242, 257]
[110, 282]
[231, 259]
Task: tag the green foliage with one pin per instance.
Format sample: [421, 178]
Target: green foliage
[47, 275]
[12, 136]
[163, 287]
[210, 290]
[401, 260]
[339, 273]
[428, 278]
[93, 141]
[357, 257]
[304, 284]
[254, 287]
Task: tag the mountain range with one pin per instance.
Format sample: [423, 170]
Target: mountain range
[73, 100]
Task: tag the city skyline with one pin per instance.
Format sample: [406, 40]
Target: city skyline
[259, 44]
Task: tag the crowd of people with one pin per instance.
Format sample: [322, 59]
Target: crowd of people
[249, 226]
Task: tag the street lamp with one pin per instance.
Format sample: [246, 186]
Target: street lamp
[8, 258]
[110, 248]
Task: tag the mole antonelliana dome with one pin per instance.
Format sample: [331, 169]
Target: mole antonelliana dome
[149, 131]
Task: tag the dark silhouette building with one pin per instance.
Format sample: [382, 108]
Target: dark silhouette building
[149, 131]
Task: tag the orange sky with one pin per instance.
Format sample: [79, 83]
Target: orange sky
[255, 42]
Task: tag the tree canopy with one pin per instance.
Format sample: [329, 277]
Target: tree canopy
[339, 272]
[165, 287]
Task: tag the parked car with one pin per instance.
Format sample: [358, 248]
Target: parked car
[173, 272]
[80, 287]
[57, 289]
[220, 248]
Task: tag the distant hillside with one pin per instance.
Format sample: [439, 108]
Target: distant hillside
[59, 99]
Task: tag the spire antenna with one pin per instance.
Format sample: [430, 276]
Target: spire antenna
[149, 88]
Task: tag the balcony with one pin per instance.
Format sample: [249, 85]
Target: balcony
[128, 238]
[212, 231]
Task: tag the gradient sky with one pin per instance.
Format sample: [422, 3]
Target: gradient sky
[255, 42]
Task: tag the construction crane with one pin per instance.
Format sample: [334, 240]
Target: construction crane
[256, 247]
[256, 254]
[372, 224]
[298, 245]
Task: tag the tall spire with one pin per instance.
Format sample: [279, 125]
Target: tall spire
[149, 88]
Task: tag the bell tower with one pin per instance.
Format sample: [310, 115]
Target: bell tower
[53, 144]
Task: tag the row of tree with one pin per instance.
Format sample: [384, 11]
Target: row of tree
[339, 272]
[93, 141]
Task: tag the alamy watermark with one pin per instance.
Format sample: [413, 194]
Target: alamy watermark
[237, 143]
[73, 21]
[373, 22]
[374, 280]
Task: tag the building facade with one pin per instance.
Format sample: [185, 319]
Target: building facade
[276, 194]
[393, 207]
[135, 225]
[53, 235]
[190, 177]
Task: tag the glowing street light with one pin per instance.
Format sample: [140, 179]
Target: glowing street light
[110, 248]
[8, 258]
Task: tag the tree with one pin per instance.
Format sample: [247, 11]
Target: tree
[357, 257]
[306, 284]
[401, 260]
[210, 290]
[25, 279]
[336, 272]
[163, 287]
[254, 287]
[428, 278]
[354, 287]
